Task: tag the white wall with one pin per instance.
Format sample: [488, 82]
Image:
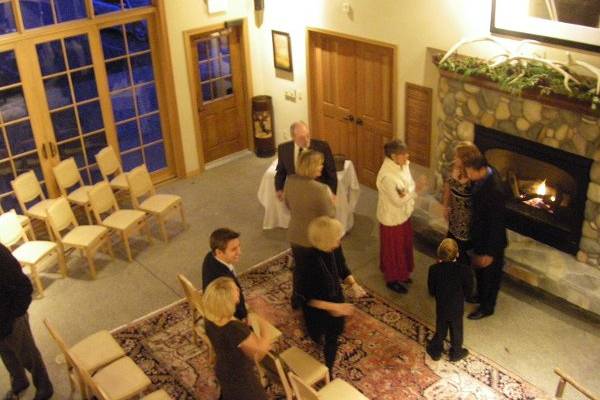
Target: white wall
[413, 26]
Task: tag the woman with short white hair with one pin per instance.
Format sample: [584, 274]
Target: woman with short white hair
[234, 343]
[319, 285]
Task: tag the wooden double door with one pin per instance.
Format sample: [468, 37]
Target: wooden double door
[352, 99]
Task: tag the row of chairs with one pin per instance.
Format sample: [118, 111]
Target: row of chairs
[99, 366]
[295, 370]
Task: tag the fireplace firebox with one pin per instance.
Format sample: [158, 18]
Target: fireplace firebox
[546, 187]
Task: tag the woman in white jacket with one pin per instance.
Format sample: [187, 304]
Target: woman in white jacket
[395, 204]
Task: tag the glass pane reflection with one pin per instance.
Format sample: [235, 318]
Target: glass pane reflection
[72, 149]
[12, 104]
[20, 137]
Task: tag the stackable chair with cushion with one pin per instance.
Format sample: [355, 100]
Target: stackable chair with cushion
[145, 198]
[304, 366]
[111, 169]
[85, 238]
[71, 185]
[25, 223]
[93, 352]
[27, 189]
[34, 254]
[335, 390]
[275, 371]
[124, 221]
[194, 298]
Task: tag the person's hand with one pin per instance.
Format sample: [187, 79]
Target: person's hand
[279, 194]
[482, 261]
[357, 291]
[341, 310]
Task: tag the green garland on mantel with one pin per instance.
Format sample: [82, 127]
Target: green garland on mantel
[514, 78]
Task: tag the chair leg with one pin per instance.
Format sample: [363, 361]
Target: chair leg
[183, 220]
[148, 230]
[163, 230]
[126, 243]
[109, 247]
[29, 230]
[88, 214]
[49, 229]
[62, 265]
[36, 280]
[91, 263]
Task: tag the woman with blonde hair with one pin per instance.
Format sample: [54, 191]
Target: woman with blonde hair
[319, 285]
[306, 199]
[234, 343]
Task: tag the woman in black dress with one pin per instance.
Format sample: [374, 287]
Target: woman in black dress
[319, 282]
[235, 345]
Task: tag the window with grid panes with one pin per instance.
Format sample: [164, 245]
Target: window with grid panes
[132, 86]
[38, 13]
[108, 6]
[7, 18]
[18, 152]
[72, 96]
[214, 67]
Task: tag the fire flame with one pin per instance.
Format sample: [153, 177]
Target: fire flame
[541, 189]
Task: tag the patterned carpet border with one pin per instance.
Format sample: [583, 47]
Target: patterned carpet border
[132, 337]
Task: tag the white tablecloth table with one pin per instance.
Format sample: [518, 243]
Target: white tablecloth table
[278, 216]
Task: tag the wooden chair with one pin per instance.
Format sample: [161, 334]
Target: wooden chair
[158, 395]
[566, 379]
[125, 222]
[158, 205]
[25, 223]
[93, 352]
[111, 169]
[304, 366]
[71, 185]
[275, 372]
[334, 390]
[27, 189]
[194, 298]
[120, 380]
[85, 238]
[32, 254]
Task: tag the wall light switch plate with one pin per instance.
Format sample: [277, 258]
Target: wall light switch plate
[346, 7]
[215, 6]
[290, 95]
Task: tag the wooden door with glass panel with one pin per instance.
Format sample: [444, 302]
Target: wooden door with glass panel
[218, 58]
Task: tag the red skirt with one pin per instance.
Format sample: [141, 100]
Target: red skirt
[396, 251]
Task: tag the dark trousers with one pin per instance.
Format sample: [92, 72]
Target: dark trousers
[19, 353]
[488, 284]
[330, 345]
[442, 325]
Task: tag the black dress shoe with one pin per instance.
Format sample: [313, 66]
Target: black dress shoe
[472, 300]
[44, 395]
[434, 356]
[15, 393]
[478, 314]
[397, 287]
[457, 356]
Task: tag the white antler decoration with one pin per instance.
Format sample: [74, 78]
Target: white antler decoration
[464, 41]
[594, 70]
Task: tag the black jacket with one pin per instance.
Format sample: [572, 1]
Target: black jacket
[448, 282]
[285, 164]
[488, 233]
[15, 291]
[213, 269]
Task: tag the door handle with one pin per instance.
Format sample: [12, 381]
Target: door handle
[44, 151]
[349, 117]
[359, 121]
[52, 149]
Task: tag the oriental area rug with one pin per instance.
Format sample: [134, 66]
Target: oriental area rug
[382, 351]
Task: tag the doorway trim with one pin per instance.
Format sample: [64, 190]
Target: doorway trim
[189, 37]
[309, 75]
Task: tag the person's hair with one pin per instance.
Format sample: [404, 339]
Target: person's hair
[466, 150]
[324, 233]
[475, 162]
[217, 300]
[220, 237]
[396, 146]
[309, 162]
[447, 250]
[296, 124]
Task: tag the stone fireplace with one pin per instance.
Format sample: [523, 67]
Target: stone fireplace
[566, 145]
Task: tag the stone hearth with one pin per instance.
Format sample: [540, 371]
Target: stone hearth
[464, 103]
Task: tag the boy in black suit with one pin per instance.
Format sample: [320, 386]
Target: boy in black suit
[448, 281]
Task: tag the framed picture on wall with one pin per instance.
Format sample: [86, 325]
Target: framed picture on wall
[282, 51]
[573, 23]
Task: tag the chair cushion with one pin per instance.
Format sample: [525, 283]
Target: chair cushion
[304, 365]
[159, 203]
[158, 395]
[339, 389]
[34, 251]
[84, 235]
[79, 195]
[23, 220]
[97, 350]
[38, 210]
[123, 219]
[119, 182]
[121, 379]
